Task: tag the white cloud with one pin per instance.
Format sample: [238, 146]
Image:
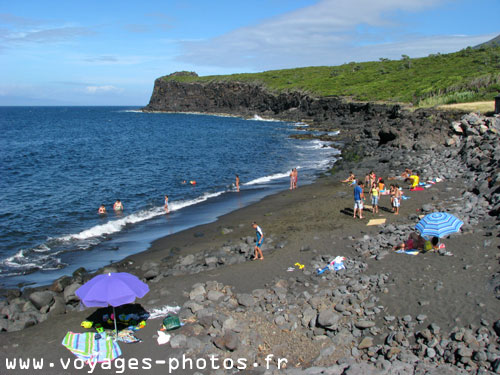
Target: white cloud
[102, 89]
[327, 33]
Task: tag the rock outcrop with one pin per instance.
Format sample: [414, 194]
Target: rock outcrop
[382, 123]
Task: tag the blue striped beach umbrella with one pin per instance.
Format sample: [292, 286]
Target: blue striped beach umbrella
[438, 224]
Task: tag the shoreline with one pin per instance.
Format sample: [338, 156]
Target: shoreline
[339, 321]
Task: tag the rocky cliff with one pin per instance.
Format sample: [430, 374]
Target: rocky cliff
[382, 123]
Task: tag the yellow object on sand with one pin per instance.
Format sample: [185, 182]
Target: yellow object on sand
[301, 266]
[376, 221]
[86, 324]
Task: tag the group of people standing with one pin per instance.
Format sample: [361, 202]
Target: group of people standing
[376, 188]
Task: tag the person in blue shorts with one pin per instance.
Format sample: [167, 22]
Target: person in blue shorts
[258, 243]
[359, 197]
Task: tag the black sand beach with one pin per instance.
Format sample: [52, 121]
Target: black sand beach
[386, 313]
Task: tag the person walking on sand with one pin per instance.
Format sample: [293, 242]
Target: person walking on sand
[375, 193]
[291, 180]
[118, 206]
[359, 197]
[166, 204]
[237, 183]
[102, 210]
[258, 243]
[295, 177]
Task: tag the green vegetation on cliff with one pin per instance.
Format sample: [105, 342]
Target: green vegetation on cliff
[464, 76]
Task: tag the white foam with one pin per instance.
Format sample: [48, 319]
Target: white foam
[316, 144]
[258, 118]
[114, 226]
[132, 111]
[300, 124]
[263, 180]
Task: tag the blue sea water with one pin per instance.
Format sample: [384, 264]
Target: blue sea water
[59, 164]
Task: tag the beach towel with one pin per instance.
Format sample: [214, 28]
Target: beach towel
[376, 221]
[335, 265]
[127, 336]
[405, 197]
[417, 188]
[91, 349]
[408, 252]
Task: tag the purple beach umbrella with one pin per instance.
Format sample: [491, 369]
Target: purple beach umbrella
[112, 289]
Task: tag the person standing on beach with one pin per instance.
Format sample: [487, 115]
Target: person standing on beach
[291, 180]
[166, 204]
[258, 243]
[237, 183]
[295, 178]
[359, 195]
[375, 193]
[397, 199]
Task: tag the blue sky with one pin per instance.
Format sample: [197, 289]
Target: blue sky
[110, 52]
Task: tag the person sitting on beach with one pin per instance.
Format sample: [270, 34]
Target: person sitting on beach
[414, 179]
[166, 204]
[404, 176]
[102, 210]
[359, 197]
[414, 241]
[258, 242]
[351, 178]
[374, 193]
[432, 245]
[118, 206]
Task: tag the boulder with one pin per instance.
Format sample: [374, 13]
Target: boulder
[328, 318]
[41, 298]
[364, 324]
[245, 300]
[61, 283]
[197, 293]
[187, 260]
[69, 293]
[228, 342]
[214, 295]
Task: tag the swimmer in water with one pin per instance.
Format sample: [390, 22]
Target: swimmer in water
[102, 210]
[118, 206]
[166, 204]
[192, 182]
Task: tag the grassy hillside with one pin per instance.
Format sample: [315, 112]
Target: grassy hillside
[464, 76]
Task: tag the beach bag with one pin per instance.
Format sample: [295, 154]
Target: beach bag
[171, 322]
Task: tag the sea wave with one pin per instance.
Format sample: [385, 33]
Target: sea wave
[266, 179]
[258, 118]
[114, 226]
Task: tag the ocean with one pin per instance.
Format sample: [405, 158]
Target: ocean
[59, 164]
